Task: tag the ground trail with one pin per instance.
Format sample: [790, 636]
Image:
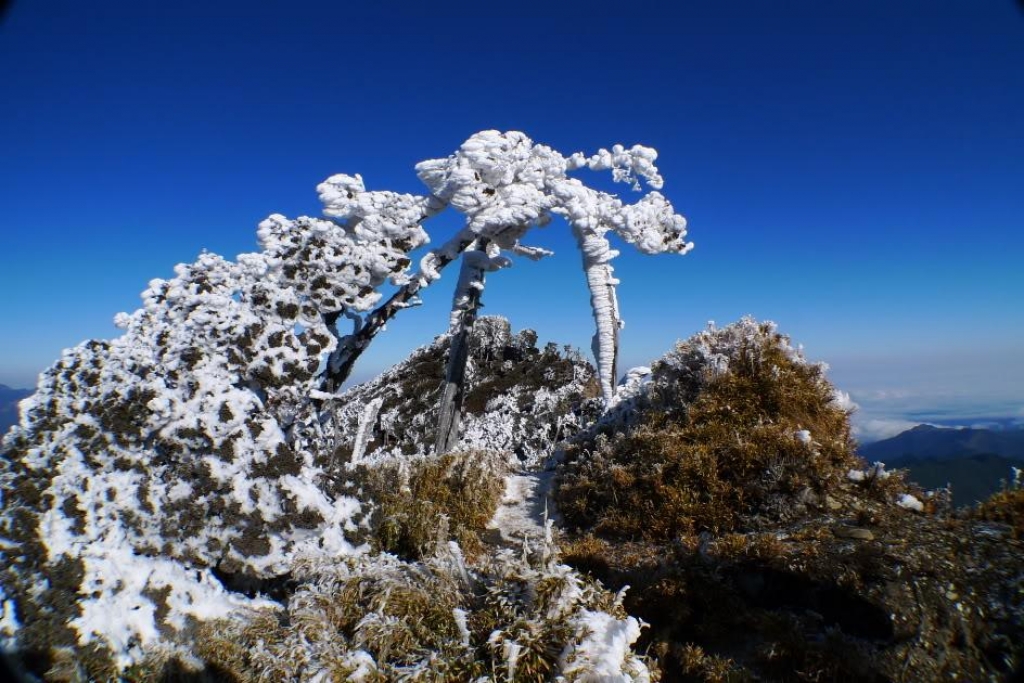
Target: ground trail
[526, 504]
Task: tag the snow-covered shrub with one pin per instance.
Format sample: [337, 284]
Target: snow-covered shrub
[145, 465]
[378, 618]
[509, 405]
[736, 428]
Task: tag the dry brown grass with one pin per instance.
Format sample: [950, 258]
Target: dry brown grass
[1007, 507]
[440, 620]
[421, 502]
[730, 458]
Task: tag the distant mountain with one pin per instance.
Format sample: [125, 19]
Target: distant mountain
[925, 442]
[9, 405]
[973, 461]
[973, 477]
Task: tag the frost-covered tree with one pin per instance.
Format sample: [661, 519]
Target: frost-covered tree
[192, 444]
[505, 185]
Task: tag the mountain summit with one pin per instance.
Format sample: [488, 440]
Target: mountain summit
[716, 523]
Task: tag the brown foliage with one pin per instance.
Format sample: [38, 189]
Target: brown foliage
[730, 460]
[420, 502]
[1007, 507]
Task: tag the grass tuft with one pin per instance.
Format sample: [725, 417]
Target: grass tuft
[419, 503]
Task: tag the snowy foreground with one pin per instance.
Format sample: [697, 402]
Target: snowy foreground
[368, 558]
[136, 553]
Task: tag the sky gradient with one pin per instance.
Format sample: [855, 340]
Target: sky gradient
[853, 171]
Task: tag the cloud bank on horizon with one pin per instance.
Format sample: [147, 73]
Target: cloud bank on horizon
[896, 394]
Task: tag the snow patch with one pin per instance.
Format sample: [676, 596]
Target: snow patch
[909, 502]
[601, 651]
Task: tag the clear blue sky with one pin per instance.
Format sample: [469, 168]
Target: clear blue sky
[854, 171]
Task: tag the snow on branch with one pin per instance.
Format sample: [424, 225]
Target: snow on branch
[506, 184]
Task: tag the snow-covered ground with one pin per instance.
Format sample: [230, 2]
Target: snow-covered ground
[525, 508]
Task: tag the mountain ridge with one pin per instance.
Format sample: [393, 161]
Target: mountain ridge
[974, 462]
[722, 485]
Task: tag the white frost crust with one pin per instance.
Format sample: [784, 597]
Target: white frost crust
[843, 401]
[875, 471]
[123, 614]
[361, 664]
[909, 502]
[600, 651]
[505, 185]
[633, 383]
[365, 425]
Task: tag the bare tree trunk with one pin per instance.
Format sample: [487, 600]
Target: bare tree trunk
[464, 312]
[351, 347]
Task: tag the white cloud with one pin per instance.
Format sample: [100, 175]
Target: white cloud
[868, 429]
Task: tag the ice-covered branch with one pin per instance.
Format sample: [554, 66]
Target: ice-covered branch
[532, 253]
[625, 164]
[350, 348]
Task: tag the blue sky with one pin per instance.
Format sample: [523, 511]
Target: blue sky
[854, 171]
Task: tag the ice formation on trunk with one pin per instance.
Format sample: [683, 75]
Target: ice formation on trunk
[597, 255]
[506, 184]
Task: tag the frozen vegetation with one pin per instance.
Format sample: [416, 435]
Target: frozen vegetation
[178, 473]
[196, 498]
